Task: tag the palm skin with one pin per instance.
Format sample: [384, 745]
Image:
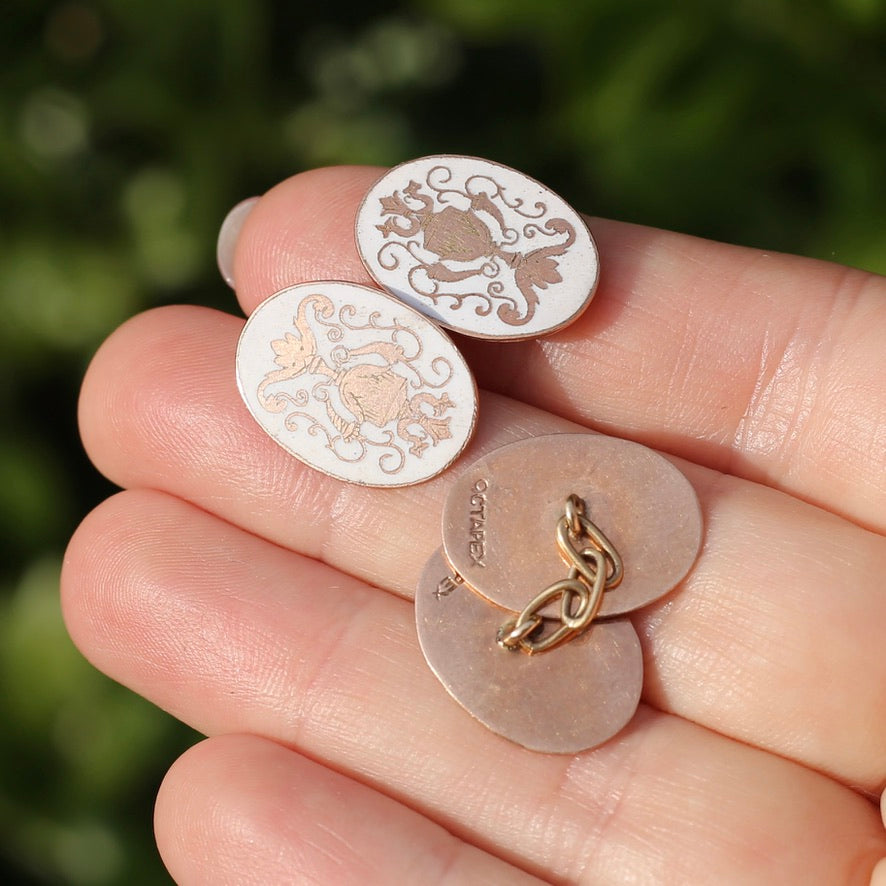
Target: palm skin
[269, 606]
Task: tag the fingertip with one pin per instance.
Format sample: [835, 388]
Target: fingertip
[181, 812]
[93, 572]
[303, 230]
[137, 376]
[232, 809]
[243, 809]
[228, 235]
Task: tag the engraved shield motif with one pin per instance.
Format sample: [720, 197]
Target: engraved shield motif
[478, 247]
[356, 384]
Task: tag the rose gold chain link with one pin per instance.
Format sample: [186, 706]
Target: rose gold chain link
[594, 569]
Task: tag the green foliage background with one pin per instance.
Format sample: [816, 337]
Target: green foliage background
[128, 128]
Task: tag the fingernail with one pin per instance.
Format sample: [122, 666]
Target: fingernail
[227, 238]
[878, 877]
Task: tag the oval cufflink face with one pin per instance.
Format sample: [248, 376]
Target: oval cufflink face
[356, 384]
[564, 701]
[500, 518]
[478, 247]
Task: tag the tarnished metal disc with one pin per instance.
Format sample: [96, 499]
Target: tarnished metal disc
[356, 384]
[478, 247]
[567, 700]
[500, 517]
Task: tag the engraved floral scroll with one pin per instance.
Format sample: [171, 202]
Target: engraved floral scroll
[357, 385]
[478, 247]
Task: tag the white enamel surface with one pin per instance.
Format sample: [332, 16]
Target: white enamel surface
[356, 384]
[475, 244]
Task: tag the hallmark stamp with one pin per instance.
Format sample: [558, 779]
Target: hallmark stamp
[447, 585]
[477, 523]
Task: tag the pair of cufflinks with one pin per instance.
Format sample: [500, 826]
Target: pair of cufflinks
[548, 544]
[364, 384]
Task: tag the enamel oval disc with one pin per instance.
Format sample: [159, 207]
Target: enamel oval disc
[501, 514]
[567, 700]
[356, 384]
[478, 247]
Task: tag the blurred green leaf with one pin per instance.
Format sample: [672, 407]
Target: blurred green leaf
[82, 745]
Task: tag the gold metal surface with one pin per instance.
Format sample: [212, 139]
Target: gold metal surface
[572, 699]
[471, 612]
[593, 570]
[498, 511]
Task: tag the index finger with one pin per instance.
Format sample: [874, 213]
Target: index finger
[770, 367]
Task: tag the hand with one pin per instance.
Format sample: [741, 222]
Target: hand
[268, 605]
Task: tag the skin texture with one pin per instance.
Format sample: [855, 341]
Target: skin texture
[269, 606]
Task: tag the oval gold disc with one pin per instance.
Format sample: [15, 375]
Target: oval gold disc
[564, 701]
[500, 518]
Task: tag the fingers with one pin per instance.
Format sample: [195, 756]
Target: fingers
[300, 231]
[773, 638]
[767, 366]
[234, 634]
[240, 809]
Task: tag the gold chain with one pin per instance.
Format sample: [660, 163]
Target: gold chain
[594, 569]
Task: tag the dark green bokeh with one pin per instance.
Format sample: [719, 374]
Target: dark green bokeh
[127, 129]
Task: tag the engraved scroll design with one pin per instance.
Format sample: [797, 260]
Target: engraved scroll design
[367, 400]
[447, 234]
